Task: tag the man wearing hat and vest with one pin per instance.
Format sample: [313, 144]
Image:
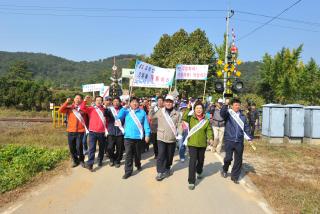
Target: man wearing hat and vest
[167, 134]
[217, 126]
[76, 128]
[136, 126]
[236, 129]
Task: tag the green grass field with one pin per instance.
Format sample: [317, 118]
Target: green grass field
[12, 112]
[27, 149]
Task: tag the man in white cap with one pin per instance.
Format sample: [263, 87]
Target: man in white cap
[218, 125]
[168, 121]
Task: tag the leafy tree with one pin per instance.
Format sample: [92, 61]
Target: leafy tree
[184, 48]
[285, 79]
[18, 90]
[19, 71]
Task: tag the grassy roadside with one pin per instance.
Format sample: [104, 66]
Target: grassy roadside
[287, 175]
[12, 112]
[29, 153]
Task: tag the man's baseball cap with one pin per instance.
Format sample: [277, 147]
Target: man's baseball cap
[169, 97]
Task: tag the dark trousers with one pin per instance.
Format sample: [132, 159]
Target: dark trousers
[252, 129]
[93, 138]
[165, 156]
[153, 140]
[235, 148]
[75, 146]
[84, 142]
[132, 147]
[196, 162]
[114, 147]
[144, 147]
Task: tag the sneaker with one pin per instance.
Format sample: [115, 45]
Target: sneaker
[160, 176]
[74, 164]
[199, 176]
[117, 165]
[224, 174]
[169, 172]
[235, 180]
[182, 160]
[191, 186]
[100, 164]
[82, 164]
[126, 176]
[111, 164]
[139, 168]
[89, 167]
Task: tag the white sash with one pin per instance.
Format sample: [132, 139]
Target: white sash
[117, 122]
[169, 121]
[195, 129]
[80, 118]
[103, 119]
[137, 122]
[155, 109]
[236, 117]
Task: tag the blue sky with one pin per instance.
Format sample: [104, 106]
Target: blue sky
[99, 33]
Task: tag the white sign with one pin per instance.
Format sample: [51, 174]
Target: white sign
[147, 75]
[105, 91]
[92, 87]
[51, 106]
[127, 73]
[191, 72]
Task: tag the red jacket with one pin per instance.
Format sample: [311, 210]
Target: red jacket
[95, 123]
[74, 125]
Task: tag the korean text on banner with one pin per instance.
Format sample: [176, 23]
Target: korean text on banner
[92, 87]
[147, 75]
[191, 72]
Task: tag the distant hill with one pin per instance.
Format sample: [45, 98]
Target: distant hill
[63, 72]
[59, 71]
[250, 75]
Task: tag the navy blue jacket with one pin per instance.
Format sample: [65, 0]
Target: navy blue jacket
[232, 131]
[112, 129]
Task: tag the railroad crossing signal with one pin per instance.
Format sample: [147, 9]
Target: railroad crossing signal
[233, 83]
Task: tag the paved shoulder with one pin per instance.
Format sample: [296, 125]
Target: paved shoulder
[104, 191]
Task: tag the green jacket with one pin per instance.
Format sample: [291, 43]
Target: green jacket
[200, 138]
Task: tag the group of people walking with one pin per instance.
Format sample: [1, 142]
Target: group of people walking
[122, 126]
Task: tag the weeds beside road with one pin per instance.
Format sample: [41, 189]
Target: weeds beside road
[28, 153]
[287, 175]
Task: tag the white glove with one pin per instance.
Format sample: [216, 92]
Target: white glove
[179, 137]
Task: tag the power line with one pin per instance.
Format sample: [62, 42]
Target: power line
[148, 17]
[111, 16]
[114, 9]
[92, 9]
[266, 23]
[279, 18]
[276, 25]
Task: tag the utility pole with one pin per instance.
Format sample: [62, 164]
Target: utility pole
[229, 15]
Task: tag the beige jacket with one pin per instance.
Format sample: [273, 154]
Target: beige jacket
[164, 132]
